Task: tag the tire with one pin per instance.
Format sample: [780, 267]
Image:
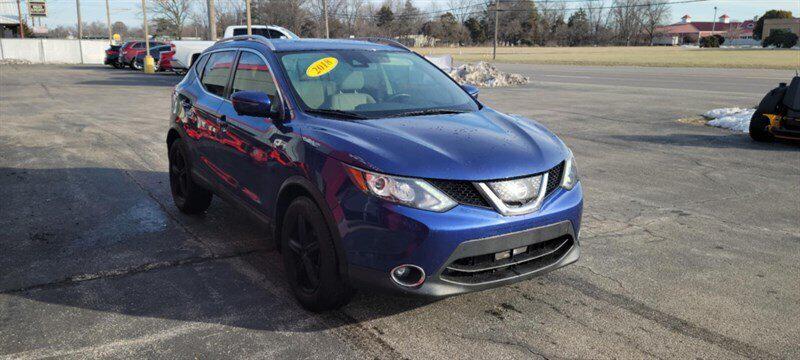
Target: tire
[758, 128]
[310, 258]
[134, 66]
[117, 65]
[188, 196]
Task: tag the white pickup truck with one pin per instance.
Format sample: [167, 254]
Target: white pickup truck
[187, 51]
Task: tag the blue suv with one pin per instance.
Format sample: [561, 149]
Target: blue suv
[374, 168]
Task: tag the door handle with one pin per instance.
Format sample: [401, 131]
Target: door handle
[223, 123]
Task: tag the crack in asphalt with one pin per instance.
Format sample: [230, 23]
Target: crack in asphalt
[128, 271]
[665, 320]
[504, 342]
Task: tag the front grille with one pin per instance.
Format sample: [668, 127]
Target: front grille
[463, 192]
[480, 269]
[554, 178]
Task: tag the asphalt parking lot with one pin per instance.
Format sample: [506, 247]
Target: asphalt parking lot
[690, 238]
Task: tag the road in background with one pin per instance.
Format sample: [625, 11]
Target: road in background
[690, 238]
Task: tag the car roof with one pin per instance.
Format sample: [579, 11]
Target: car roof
[282, 45]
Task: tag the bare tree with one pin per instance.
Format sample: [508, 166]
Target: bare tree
[173, 12]
[655, 13]
[628, 18]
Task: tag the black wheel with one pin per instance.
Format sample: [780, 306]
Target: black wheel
[135, 66]
[759, 125]
[118, 65]
[310, 258]
[189, 197]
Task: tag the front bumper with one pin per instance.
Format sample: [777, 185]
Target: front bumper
[376, 237]
[440, 285]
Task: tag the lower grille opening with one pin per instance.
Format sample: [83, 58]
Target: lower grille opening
[485, 268]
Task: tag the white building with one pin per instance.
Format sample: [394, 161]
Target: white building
[9, 19]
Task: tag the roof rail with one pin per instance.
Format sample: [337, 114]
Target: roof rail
[257, 38]
[384, 41]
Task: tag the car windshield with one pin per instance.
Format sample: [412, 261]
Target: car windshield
[371, 84]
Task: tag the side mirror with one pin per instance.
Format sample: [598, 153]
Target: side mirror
[471, 90]
[252, 103]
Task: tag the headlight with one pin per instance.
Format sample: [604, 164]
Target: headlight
[570, 176]
[405, 191]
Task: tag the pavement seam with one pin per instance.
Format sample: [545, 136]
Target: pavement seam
[128, 271]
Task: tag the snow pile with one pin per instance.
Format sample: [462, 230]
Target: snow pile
[735, 119]
[484, 74]
[14, 62]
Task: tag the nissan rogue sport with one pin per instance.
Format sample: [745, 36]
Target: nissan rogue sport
[373, 167]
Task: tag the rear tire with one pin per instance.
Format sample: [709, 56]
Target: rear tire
[117, 65]
[188, 196]
[310, 258]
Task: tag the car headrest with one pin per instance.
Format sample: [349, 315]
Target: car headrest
[353, 81]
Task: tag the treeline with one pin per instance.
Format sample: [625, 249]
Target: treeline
[461, 22]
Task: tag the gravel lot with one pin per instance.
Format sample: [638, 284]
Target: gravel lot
[690, 238]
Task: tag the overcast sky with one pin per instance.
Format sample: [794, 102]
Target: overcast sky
[128, 11]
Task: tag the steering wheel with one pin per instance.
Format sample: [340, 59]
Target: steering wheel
[400, 98]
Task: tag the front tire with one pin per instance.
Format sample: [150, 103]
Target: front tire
[759, 128]
[188, 196]
[310, 258]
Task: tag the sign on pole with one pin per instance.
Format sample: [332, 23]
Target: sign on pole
[37, 8]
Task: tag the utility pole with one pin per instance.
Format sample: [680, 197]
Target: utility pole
[325, 15]
[80, 28]
[249, 22]
[212, 21]
[496, 26]
[148, 60]
[108, 23]
[714, 24]
[19, 13]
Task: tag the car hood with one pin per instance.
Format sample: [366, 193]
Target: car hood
[480, 145]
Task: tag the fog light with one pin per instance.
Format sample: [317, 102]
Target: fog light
[519, 250]
[502, 255]
[408, 275]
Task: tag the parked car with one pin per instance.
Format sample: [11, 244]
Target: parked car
[374, 168]
[112, 56]
[129, 50]
[155, 52]
[186, 52]
[267, 31]
[165, 60]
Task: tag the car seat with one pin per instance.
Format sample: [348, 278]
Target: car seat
[349, 97]
[791, 100]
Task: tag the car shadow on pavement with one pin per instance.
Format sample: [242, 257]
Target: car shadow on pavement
[111, 241]
[710, 141]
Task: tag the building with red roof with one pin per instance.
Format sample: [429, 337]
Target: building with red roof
[689, 32]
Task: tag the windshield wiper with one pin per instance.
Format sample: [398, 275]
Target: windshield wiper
[429, 112]
[336, 113]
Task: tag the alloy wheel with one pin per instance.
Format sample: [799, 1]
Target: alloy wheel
[303, 244]
[179, 174]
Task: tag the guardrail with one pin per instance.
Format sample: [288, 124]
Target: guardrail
[54, 51]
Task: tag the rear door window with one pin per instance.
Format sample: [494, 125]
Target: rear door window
[216, 72]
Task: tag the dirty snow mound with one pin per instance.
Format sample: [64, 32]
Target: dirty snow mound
[735, 119]
[484, 74]
[14, 62]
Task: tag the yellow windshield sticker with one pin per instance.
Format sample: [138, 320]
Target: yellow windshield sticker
[321, 66]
